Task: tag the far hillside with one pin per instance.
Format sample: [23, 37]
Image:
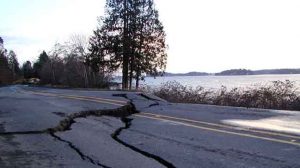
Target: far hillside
[258, 72]
[187, 74]
[233, 72]
[277, 71]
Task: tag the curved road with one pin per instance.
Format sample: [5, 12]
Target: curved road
[159, 134]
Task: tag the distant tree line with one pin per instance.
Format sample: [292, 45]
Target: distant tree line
[9, 66]
[68, 65]
[258, 72]
[235, 72]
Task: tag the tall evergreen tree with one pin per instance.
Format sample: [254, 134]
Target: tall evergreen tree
[149, 53]
[27, 70]
[6, 75]
[13, 64]
[38, 65]
[132, 37]
[2, 49]
[1, 44]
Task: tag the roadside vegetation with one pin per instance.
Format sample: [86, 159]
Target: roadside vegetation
[281, 95]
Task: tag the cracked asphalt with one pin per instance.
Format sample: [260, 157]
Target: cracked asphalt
[44, 127]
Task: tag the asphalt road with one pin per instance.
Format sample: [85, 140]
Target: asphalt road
[159, 134]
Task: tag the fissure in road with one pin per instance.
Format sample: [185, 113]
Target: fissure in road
[121, 112]
[23, 132]
[66, 123]
[69, 120]
[127, 123]
[77, 150]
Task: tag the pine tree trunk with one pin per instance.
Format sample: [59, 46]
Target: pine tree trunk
[137, 79]
[132, 65]
[85, 76]
[53, 73]
[131, 75]
[125, 49]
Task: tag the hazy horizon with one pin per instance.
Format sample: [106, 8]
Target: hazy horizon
[203, 36]
[232, 69]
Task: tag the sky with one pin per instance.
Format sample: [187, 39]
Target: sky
[203, 35]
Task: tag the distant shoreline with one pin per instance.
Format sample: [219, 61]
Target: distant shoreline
[218, 75]
[239, 72]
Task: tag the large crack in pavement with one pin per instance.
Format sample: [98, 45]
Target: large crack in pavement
[78, 151]
[121, 112]
[23, 132]
[115, 135]
[127, 123]
[66, 123]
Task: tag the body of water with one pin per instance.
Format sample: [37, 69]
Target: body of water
[215, 82]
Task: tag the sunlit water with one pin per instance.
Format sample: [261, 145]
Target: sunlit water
[215, 82]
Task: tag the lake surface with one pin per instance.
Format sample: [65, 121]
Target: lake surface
[215, 82]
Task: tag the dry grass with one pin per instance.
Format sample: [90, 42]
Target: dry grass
[276, 95]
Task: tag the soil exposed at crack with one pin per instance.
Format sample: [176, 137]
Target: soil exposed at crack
[23, 132]
[66, 123]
